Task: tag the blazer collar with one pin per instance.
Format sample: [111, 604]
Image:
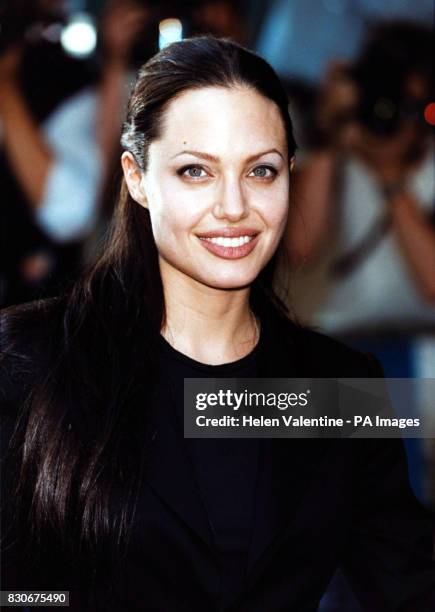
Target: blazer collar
[285, 466]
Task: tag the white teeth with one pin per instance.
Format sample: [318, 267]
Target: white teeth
[230, 242]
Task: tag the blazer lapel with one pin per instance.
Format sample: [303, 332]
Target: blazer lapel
[285, 470]
[169, 471]
[285, 465]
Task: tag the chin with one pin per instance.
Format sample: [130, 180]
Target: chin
[229, 282]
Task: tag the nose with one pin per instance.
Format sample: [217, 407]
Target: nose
[231, 202]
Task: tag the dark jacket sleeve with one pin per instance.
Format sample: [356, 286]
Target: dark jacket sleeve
[389, 557]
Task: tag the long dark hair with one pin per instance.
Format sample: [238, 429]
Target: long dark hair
[82, 432]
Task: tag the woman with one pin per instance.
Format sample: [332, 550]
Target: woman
[104, 496]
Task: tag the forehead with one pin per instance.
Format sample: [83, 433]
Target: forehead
[222, 120]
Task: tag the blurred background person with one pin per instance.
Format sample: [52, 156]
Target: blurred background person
[59, 133]
[36, 76]
[376, 168]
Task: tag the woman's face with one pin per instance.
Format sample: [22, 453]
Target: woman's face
[221, 165]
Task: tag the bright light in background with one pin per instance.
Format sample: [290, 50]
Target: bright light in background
[171, 31]
[79, 36]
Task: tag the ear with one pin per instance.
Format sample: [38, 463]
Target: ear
[292, 163]
[133, 178]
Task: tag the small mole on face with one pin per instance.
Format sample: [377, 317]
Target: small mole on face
[184, 141]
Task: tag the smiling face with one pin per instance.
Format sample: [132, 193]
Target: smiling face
[220, 165]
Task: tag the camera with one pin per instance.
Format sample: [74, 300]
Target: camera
[394, 77]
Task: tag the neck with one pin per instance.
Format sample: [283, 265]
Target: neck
[209, 325]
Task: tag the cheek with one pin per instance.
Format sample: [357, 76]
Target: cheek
[173, 213]
[275, 206]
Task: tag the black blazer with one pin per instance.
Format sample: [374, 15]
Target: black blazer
[320, 504]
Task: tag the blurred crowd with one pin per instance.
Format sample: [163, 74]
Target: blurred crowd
[361, 230]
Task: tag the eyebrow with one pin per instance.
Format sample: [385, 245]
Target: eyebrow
[215, 159]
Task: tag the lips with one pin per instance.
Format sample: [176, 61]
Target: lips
[230, 252]
[229, 232]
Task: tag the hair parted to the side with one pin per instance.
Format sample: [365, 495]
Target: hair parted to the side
[82, 431]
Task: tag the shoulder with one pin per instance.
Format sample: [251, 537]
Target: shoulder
[346, 360]
[27, 339]
[319, 355]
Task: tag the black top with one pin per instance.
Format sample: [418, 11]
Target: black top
[225, 469]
